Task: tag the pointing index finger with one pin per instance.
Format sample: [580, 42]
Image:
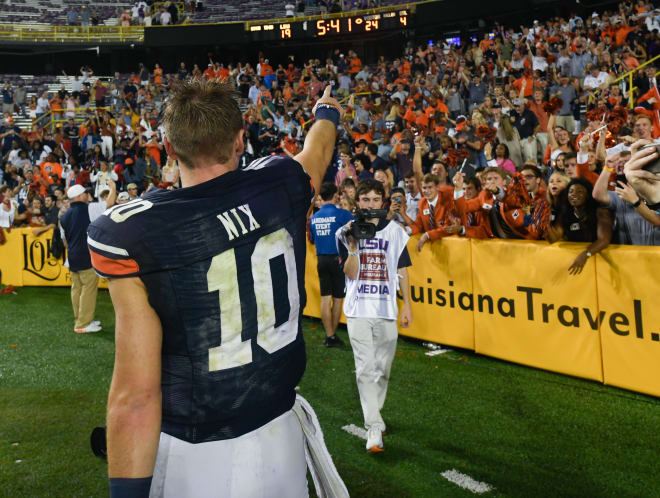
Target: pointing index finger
[327, 91]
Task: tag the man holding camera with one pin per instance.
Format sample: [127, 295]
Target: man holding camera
[374, 254]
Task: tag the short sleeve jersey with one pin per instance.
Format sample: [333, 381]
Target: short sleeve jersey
[223, 264]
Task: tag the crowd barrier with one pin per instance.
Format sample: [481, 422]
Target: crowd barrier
[513, 300]
[26, 260]
[516, 301]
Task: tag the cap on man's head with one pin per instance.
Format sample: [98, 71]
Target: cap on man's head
[75, 191]
[130, 186]
[104, 189]
[123, 196]
[128, 160]
[518, 101]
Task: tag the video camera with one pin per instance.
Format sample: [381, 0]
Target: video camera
[361, 228]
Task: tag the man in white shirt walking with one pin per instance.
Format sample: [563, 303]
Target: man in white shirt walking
[375, 268]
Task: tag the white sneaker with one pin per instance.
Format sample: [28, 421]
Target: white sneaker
[375, 440]
[92, 327]
[96, 322]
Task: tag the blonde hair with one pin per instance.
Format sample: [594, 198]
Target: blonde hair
[564, 178]
[479, 117]
[202, 120]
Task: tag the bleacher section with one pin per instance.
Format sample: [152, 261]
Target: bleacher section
[239, 10]
[35, 85]
[54, 12]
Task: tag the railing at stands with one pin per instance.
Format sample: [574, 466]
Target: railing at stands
[632, 88]
[70, 34]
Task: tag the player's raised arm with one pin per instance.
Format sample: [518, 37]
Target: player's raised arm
[320, 141]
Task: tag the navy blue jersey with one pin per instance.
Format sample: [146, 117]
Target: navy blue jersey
[223, 263]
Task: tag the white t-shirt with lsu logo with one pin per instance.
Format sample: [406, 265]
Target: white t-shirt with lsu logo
[373, 293]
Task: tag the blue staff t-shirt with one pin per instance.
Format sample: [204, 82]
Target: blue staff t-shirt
[323, 226]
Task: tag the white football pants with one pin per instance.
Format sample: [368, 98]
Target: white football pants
[374, 344]
[267, 462]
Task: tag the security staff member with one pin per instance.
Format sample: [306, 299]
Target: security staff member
[323, 226]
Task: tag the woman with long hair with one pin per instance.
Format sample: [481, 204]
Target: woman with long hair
[556, 195]
[582, 220]
[346, 170]
[508, 135]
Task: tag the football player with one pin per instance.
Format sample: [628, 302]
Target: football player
[208, 287]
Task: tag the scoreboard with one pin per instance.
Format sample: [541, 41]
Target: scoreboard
[330, 26]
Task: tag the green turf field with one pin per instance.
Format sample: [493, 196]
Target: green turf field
[523, 431]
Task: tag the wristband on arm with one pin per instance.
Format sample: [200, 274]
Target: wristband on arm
[130, 488]
[329, 112]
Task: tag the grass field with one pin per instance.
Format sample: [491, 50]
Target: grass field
[523, 431]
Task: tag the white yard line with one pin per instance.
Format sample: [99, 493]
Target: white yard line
[356, 431]
[462, 480]
[466, 482]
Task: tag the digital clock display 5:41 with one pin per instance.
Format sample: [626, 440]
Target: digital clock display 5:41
[346, 26]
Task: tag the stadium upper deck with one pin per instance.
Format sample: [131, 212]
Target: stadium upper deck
[109, 12]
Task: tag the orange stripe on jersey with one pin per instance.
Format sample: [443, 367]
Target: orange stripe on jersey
[111, 267]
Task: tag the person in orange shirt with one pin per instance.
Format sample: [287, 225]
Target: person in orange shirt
[355, 64]
[289, 146]
[265, 68]
[222, 72]
[486, 43]
[287, 91]
[421, 120]
[56, 107]
[209, 72]
[433, 215]
[49, 168]
[364, 133]
[524, 85]
[153, 147]
[409, 116]
[622, 30]
[440, 106]
[158, 75]
[405, 68]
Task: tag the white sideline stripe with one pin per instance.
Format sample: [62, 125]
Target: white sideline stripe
[356, 431]
[466, 482]
[107, 248]
[437, 352]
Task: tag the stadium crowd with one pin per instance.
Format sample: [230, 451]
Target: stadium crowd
[522, 134]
